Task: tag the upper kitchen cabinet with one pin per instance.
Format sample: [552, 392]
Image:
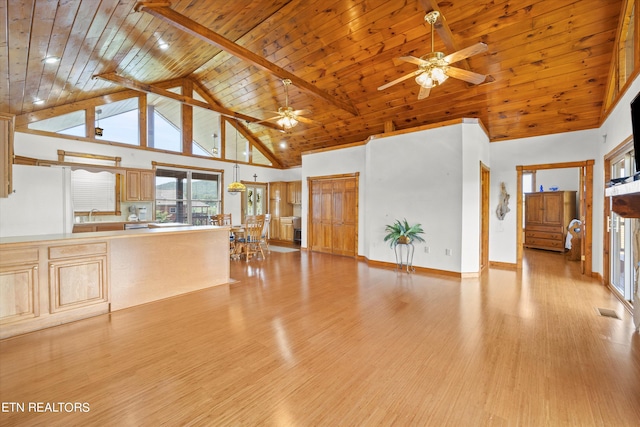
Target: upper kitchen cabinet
[6, 153]
[139, 186]
[294, 192]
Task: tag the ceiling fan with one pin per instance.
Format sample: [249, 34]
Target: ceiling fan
[287, 117]
[434, 69]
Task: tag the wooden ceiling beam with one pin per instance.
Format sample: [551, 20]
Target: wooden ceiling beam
[163, 12]
[255, 142]
[147, 88]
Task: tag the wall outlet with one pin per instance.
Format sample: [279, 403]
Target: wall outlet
[426, 249]
[447, 252]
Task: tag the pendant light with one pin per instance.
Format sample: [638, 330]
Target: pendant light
[98, 129]
[236, 186]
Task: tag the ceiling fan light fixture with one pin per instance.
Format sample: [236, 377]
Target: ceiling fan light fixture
[287, 122]
[439, 75]
[425, 80]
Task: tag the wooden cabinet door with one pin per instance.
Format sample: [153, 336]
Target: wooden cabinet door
[18, 292]
[139, 186]
[77, 282]
[132, 186]
[147, 186]
[291, 192]
[552, 212]
[286, 231]
[534, 205]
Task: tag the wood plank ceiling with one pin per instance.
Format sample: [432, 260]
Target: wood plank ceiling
[547, 61]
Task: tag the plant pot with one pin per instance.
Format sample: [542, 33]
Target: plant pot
[404, 240]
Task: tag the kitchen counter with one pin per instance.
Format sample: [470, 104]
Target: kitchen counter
[94, 226]
[53, 279]
[44, 238]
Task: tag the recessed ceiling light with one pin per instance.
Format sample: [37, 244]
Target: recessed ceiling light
[38, 101]
[51, 60]
[283, 145]
[163, 45]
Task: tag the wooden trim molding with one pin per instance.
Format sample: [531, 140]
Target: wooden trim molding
[586, 170]
[424, 270]
[173, 165]
[503, 265]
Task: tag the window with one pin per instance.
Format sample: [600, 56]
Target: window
[625, 61]
[235, 144]
[186, 196]
[120, 121]
[206, 131]
[67, 124]
[164, 117]
[257, 158]
[93, 191]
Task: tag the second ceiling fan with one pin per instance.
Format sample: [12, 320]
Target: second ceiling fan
[434, 69]
[287, 117]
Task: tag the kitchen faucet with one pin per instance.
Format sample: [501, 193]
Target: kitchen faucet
[91, 213]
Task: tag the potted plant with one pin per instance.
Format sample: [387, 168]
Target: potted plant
[400, 232]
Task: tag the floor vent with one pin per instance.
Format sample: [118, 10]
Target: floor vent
[607, 312]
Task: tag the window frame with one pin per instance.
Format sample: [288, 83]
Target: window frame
[188, 199]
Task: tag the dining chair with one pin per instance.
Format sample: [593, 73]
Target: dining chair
[264, 237]
[221, 219]
[252, 235]
[225, 219]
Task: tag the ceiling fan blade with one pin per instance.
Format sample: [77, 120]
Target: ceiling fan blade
[306, 120]
[424, 92]
[401, 79]
[412, 59]
[466, 52]
[267, 120]
[466, 75]
[304, 112]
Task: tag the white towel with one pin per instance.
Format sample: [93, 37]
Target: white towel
[567, 242]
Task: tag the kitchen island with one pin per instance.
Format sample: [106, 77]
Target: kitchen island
[54, 279]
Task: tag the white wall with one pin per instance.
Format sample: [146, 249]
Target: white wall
[39, 205]
[565, 179]
[475, 149]
[505, 156]
[45, 148]
[614, 131]
[429, 177]
[335, 162]
[417, 176]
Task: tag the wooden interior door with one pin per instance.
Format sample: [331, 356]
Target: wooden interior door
[334, 215]
[344, 220]
[321, 214]
[485, 184]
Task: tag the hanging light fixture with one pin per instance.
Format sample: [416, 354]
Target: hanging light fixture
[98, 130]
[288, 118]
[214, 150]
[236, 186]
[434, 66]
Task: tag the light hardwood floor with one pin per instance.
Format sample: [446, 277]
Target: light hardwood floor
[311, 339]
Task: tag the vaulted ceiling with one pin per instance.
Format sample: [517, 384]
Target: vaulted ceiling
[547, 62]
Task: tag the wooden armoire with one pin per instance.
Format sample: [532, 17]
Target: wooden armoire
[547, 215]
